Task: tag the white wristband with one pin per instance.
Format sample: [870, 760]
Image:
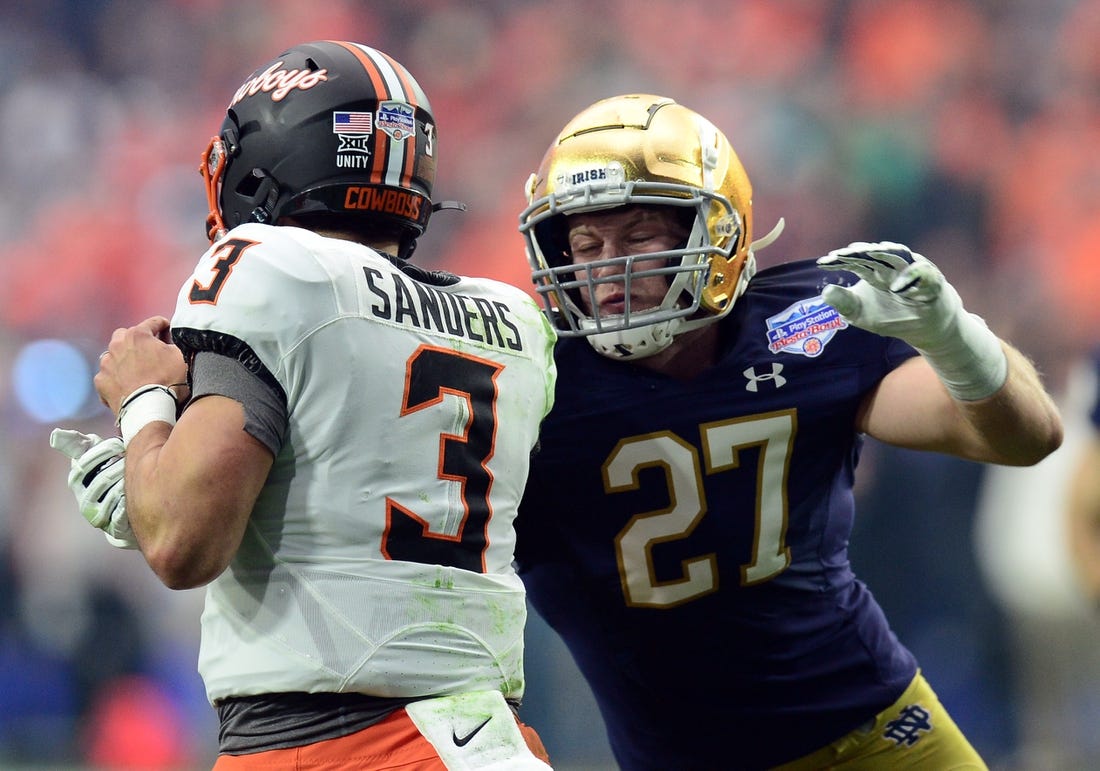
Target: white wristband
[146, 405]
[971, 362]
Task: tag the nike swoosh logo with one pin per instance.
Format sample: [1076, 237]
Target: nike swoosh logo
[463, 741]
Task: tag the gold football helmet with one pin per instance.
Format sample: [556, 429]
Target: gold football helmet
[641, 149]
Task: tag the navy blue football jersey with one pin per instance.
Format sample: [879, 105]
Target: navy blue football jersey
[688, 540]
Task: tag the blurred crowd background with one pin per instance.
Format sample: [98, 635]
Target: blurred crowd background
[967, 129]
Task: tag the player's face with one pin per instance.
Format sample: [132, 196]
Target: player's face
[630, 230]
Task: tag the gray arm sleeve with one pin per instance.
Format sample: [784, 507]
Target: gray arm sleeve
[265, 412]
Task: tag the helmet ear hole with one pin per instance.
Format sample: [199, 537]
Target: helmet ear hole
[250, 183]
[261, 191]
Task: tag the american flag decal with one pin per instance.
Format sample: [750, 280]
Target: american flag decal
[394, 163]
[352, 123]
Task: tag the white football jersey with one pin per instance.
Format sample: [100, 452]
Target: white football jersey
[378, 558]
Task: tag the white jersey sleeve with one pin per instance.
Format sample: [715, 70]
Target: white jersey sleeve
[378, 558]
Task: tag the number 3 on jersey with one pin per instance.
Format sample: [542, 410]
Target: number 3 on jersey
[225, 257]
[773, 433]
[431, 374]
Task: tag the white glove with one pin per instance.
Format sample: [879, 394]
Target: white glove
[902, 294]
[97, 478]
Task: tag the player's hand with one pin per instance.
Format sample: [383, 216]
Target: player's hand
[899, 293]
[137, 356]
[97, 473]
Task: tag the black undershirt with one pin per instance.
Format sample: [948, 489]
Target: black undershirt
[274, 721]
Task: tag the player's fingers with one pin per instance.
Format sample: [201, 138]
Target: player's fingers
[920, 281]
[846, 302]
[853, 263]
[157, 326]
[72, 443]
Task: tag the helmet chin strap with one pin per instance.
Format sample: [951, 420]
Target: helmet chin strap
[408, 241]
[636, 343]
[266, 197]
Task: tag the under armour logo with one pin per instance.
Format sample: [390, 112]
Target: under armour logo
[907, 728]
[755, 380]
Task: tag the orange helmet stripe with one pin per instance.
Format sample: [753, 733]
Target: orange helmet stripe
[411, 96]
[369, 66]
[378, 163]
[391, 81]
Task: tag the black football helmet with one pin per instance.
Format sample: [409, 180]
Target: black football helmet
[326, 128]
